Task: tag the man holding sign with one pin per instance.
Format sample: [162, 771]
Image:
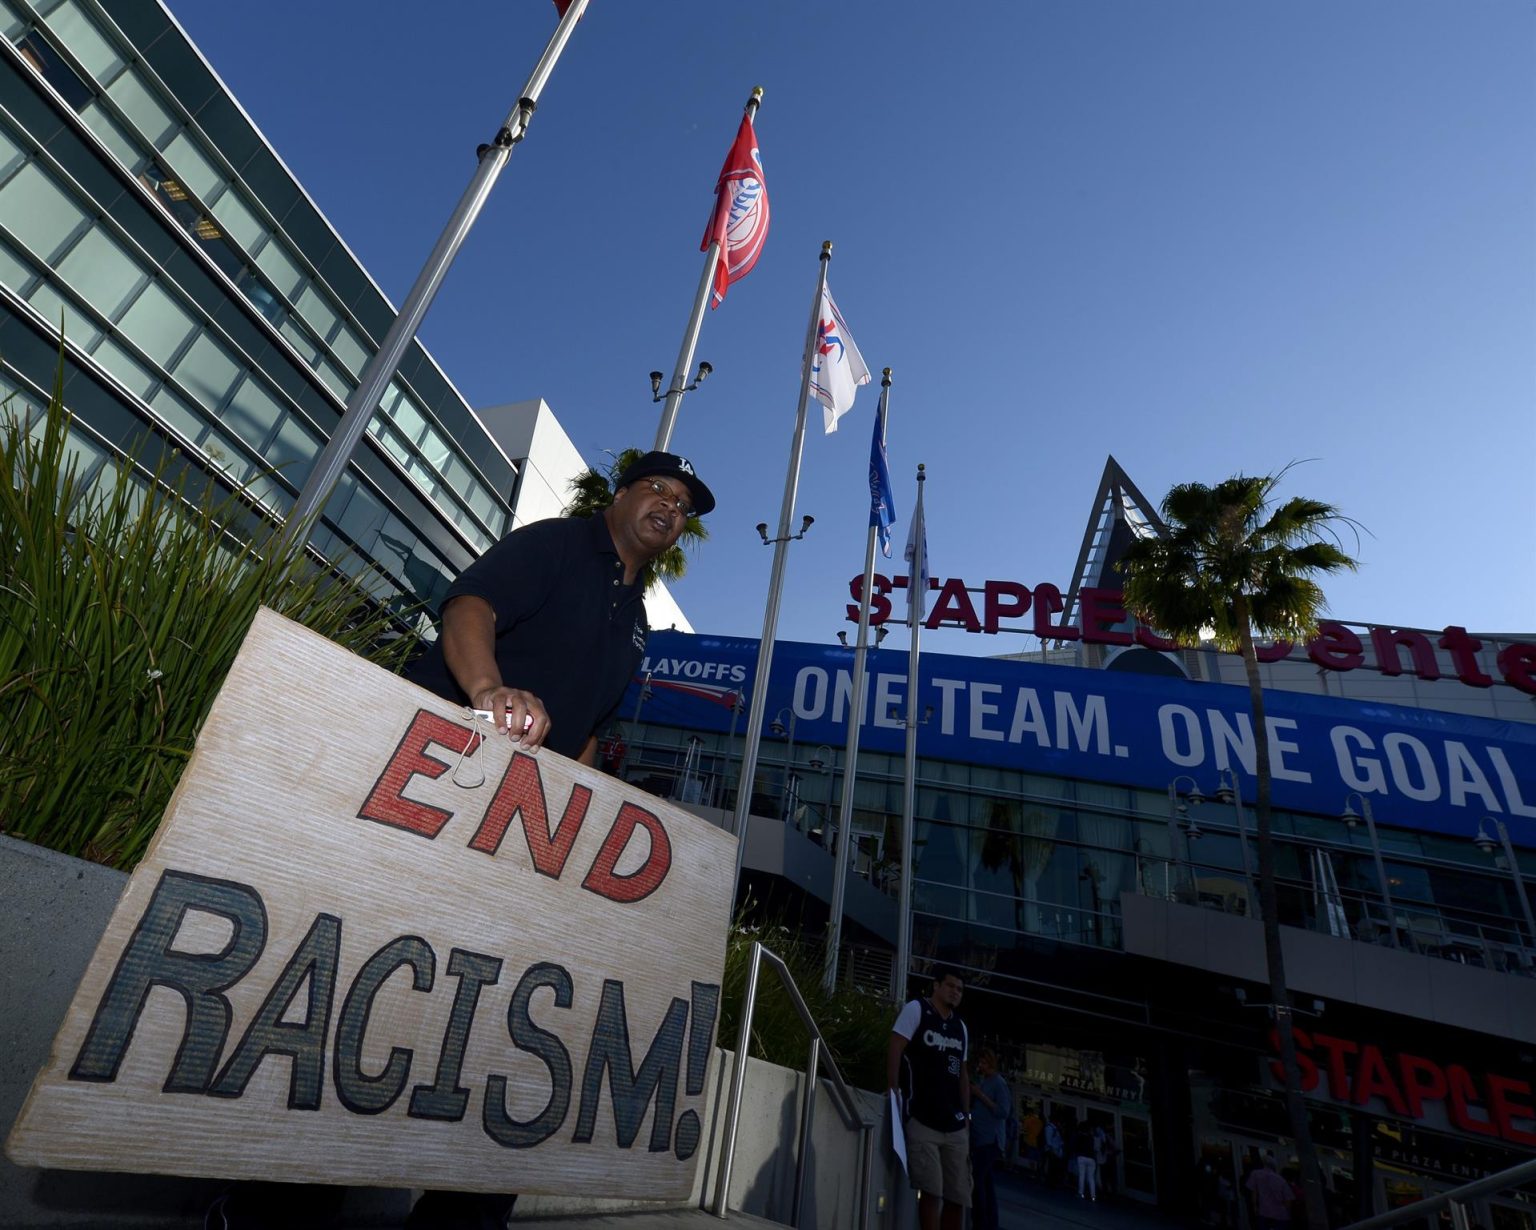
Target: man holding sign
[544, 632]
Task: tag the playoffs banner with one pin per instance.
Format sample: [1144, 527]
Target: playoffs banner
[1422, 768]
[373, 943]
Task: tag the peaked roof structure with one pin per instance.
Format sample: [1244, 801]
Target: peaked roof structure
[1120, 515]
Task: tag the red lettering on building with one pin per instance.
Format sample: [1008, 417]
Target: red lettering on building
[1359, 1073]
[1102, 609]
[993, 608]
[1336, 647]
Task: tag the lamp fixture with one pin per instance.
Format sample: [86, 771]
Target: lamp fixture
[656, 378]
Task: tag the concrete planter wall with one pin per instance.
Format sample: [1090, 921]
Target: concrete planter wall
[53, 910]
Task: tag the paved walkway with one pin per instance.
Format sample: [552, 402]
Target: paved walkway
[672, 1219]
[1023, 1204]
[1026, 1205]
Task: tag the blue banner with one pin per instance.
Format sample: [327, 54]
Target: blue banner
[1421, 768]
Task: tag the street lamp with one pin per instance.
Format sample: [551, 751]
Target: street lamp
[1352, 818]
[821, 762]
[1227, 791]
[1485, 843]
[634, 725]
[1179, 803]
[779, 728]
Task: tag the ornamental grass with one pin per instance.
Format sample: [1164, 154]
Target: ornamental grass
[125, 596]
[856, 1023]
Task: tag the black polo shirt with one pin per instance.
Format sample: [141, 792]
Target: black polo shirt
[567, 627]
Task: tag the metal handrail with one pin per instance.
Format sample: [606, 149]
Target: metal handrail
[848, 1111]
[1454, 1199]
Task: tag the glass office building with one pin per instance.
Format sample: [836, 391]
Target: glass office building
[206, 304]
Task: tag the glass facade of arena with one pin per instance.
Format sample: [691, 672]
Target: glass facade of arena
[205, 302]
[1003, 856]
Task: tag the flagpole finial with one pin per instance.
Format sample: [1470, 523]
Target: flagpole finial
[885, 379]
[826, 249]
[921, 477]
[752, 103]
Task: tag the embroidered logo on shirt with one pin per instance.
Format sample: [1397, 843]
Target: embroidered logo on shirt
[638, 636]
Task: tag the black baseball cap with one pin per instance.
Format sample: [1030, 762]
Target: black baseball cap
[670, 465]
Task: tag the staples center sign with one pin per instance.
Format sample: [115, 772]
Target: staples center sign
[1336, 647]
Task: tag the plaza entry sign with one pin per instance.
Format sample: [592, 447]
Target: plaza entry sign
[373, 943]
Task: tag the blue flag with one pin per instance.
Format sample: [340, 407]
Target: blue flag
[882, 507]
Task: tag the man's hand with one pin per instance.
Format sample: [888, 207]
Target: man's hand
[520, 714]
[469, 650]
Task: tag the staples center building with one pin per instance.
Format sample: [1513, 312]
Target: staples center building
[1079, 850]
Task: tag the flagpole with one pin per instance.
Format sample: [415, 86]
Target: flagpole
[678, 387]
[337, 453]
[776, 583]
[916, 609]
[855, 726]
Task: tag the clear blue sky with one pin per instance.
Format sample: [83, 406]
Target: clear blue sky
[1208, 237]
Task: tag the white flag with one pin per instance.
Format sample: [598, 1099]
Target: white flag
[837, 367]
[916, 556]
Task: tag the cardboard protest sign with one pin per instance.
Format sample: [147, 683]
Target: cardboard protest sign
[374, 943]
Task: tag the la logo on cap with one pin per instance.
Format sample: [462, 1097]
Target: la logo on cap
[686, 467]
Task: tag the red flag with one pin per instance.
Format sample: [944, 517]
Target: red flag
[562, 5]
[740, 221]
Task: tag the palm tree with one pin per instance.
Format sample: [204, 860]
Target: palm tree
[592, 491]
[1233, 563]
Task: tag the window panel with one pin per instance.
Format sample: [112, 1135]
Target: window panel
[407, 415]
[143, 110]
[156, 324]
[10, 154]
[264, 300]
[14, 272]
[132, 374]
[253, 413]
[207, 372]
[334, 379]
[292, 453]
[101, 272]
[54, 308]
[274, 261]
[37, 213]
[239, 220]
[88, 45]
[179, 415]
[361, 516]
[189, 165]
[225, 454]
[313, 308]
[349, 348]
[394, 446]
[10, 24]
[300, 340]
[111, 134]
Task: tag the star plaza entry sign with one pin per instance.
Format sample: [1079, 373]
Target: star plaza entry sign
[371, 945]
